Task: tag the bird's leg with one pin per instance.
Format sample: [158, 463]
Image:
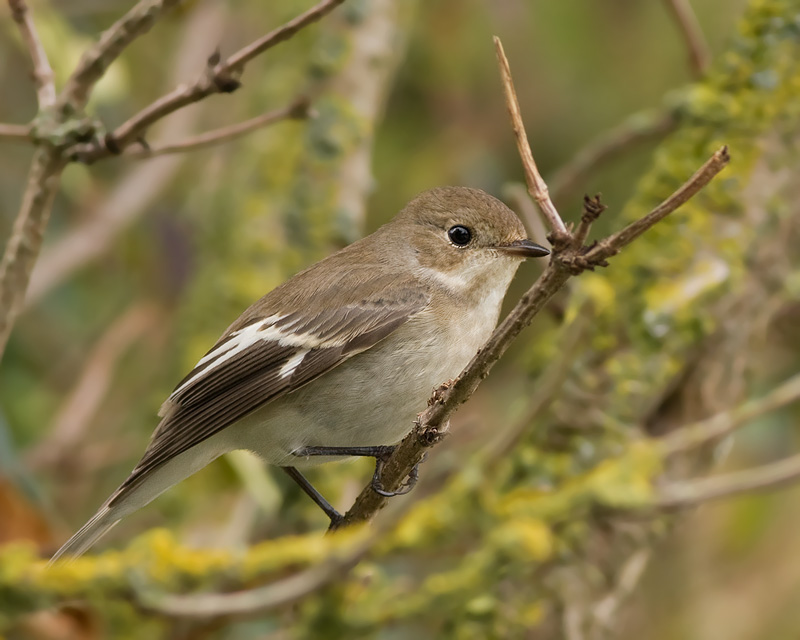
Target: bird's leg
[381, 455]
[315, 495]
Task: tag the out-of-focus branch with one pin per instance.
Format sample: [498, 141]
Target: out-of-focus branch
[569, 258]
[43, 76]
[766, 477]
[23, 246]
[636, 129]
[298, 110]
[685, 18]
[219, 77]
[138, 21]
[260, 599]
[75, 415]
[545, 388]
[725, 423]
[15, 131]
[536, 184]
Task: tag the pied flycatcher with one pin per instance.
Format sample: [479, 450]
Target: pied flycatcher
[339, 359]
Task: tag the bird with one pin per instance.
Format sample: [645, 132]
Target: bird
[338, 360]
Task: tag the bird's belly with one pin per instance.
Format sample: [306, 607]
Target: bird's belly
[373, 399]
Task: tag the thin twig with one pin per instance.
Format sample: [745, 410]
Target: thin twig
[725, 423]
[592, 208]
[15, 132]
[536, 184]
[611, 245]
[766, 477]
[699, 53]
[43, 76]
[297, 110]
[634, 130]
[94, 63]
[219, 77]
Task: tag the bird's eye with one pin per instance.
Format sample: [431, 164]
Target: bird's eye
[459, 235]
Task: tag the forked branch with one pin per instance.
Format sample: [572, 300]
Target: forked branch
[570, 257]
[220, 76]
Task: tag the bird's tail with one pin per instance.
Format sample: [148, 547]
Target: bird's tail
[100, 524]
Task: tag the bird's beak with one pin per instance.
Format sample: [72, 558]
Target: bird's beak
[524, 249]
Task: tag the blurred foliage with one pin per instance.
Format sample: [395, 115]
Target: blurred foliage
[494, 545]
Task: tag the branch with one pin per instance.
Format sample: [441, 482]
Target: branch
[297, 110]
[15, 131]
[219, 77]
[260, 599]
[43, 76]
[536, 185]
[699, 54]
[568, 259]
[725, 423]
[638, 128]
[614, 243]
[766, 477]
[94, 63]
[23, 246]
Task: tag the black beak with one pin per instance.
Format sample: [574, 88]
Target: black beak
[524, 249]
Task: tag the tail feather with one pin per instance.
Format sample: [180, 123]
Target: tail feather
[100, 524]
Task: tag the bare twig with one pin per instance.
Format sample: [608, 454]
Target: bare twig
[766, 477]
[725, 423]
[297, 110]
[15, 131]
[592, 208]
[638, 128]
[23, 246]
[536, 185]
[219, 77]
[611, 245]
[114, 40]
[699, 54]
[43, 76]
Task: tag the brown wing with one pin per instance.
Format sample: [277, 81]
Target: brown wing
[270, 356]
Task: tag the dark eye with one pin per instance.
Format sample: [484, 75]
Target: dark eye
[459, 235]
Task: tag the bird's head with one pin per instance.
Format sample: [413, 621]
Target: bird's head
[462, 235]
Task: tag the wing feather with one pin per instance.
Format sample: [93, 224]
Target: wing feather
[257, 362]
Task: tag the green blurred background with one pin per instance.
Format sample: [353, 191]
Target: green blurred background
[146, 262]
